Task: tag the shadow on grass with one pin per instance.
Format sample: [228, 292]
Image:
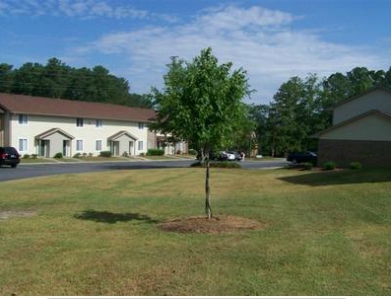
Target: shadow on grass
[109, 217]
[339, 177]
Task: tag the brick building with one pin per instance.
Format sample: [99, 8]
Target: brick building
[361, 131]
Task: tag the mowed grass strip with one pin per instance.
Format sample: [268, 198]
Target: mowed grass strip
[326, 233]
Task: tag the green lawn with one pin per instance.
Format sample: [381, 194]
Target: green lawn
[327, 233]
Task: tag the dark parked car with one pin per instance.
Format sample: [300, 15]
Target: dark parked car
[9, 156]
[303, 157]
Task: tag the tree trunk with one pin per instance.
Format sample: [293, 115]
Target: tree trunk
[208, 209]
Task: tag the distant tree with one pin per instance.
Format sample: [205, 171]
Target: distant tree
[143, 100]
[244, 136]
[57, 80]
[28, 79]
[201, 103]
[387, 79]
[295, 114]
[287, 105]
[6, 77]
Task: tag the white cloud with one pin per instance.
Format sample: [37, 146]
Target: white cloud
[258, 39]
[84, 9]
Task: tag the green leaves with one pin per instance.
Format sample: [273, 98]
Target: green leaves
[201, 101]
[57, 80]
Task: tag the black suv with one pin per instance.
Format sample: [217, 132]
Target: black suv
[9, 156]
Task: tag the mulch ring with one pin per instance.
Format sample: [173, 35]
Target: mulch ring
[216, 225]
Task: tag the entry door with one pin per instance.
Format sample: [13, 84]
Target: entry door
[44, 148]
[65, 148]
[115, 149]
[131, 146]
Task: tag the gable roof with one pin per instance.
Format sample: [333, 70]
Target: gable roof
[120, 134]
[352, 120]
[24, 104]
[362, 94]
[52, 131]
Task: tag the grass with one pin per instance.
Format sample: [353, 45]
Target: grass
[327, 234]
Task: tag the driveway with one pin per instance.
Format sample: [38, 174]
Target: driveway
[36, 170]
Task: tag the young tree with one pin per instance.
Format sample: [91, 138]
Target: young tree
[201, 103]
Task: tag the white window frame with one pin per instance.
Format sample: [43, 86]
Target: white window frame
[77, 145]
[97, 142]
[99, 123]
[23, 119]
[140, 145]
[23, 147]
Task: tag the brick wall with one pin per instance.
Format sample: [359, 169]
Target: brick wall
[343, 152]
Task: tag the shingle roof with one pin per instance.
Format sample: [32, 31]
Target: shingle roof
[57, 107]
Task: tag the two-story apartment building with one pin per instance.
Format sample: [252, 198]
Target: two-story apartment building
[361, 131]
[44, 126]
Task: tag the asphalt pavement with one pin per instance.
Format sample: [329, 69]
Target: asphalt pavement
[24, 171]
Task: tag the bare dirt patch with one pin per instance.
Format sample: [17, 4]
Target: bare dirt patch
[10, 214]
[216, 225]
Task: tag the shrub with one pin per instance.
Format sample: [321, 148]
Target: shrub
[77, 155]
[26, 156]
[307, 166]
[34, 156]
[155, 152]
[58, 156]
[179, 152]
[84, 155]
[330, 165]
[106, 154]
[355, 166]
[90, 155]
[125, 154]
[193, 152]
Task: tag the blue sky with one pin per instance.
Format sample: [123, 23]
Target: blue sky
[272, 39]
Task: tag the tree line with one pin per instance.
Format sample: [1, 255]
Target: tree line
[303, 106]
[300, 108]
[58, 80]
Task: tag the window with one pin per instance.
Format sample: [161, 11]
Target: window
[22, 144]
[79, 145]
[99, 123]
[141, 126]
[98, 145]
[140, 145]
[79, 122]
[23, 119]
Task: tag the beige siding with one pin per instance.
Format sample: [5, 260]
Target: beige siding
[89, 133]
[372, 127]
[55, 143]
[126, 145]
[377, 100]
